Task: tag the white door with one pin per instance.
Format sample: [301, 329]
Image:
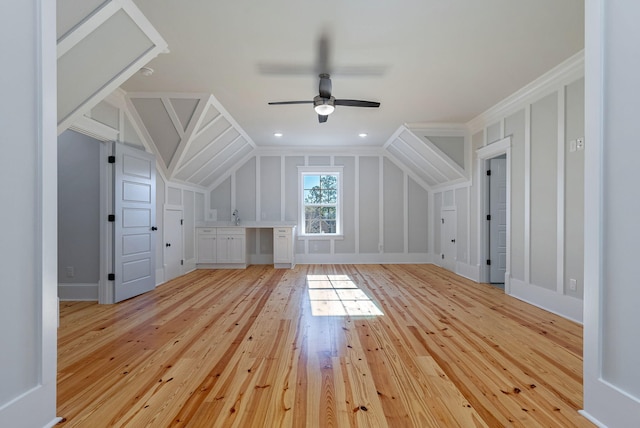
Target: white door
[134, 192]
[448, 239]
[172, 244]
[498, 222]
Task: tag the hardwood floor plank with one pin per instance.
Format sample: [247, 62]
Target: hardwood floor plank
[292, 348]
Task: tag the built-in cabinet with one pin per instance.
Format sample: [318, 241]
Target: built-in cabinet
[226, 247]
[222, 247]
[283, 254]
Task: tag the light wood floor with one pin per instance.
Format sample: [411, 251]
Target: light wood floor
[243, 348]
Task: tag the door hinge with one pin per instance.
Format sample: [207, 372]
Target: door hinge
[489, 217]
[111, 159]
[181, 262]
[111, 277]
[442, 220]
[181, 222]
[488, 262]
[111, 217]
[488, 172]
[442, 256]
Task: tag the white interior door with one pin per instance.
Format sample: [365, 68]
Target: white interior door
[134, 193]
[498, 222]
[172, 244]
[448, 239]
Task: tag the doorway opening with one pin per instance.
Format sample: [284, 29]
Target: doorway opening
[494, 212]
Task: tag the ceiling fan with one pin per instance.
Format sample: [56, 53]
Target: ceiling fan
[324, 103]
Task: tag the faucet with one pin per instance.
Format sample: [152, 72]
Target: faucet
[236, 217]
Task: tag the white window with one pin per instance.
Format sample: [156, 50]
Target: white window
[321, 193]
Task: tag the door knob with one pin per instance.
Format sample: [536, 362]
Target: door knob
[167, 245]
[453, 240]
[154, 228]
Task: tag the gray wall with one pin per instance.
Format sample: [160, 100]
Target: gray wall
[78, 208]
[383, 207]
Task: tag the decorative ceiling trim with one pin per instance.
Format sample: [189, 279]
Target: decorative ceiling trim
[88, 26]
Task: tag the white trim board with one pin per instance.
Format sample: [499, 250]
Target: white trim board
[549, 300]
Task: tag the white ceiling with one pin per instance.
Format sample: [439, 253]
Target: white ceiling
[443, 61]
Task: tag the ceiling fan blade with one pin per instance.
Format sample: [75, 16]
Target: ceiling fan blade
[325, 86]
[289, 102]
[322, 118]
[356, 103]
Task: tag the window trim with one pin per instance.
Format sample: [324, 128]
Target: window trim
[319, 170]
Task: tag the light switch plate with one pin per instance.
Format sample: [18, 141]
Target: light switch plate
[580, 143]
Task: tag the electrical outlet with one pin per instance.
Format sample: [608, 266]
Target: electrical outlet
[573, 284]
[580, 143]
[70, 272]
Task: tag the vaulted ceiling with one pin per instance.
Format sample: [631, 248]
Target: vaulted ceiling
[218, 63]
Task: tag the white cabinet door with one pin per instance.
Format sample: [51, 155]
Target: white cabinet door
[231, 245]
[236, 248]
[207, 246]
[283, 253]
[282, 245]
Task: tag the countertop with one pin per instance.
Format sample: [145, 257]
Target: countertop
[247, 224]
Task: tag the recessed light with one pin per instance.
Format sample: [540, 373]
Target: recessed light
[277, 134]
[146, 71]
[362, 134]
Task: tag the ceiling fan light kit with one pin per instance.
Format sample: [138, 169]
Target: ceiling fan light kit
[323, 106]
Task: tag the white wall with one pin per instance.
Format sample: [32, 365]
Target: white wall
[546, 250]
[380, 201]
[28, 247]
[612, 203]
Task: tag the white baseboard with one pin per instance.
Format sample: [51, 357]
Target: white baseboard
[592, 419]
[160, 276]
[53, 423]
[381, 258]
[549, 300]
[78, 292]
[468, 271]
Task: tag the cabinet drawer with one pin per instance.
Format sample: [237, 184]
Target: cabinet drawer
[209, 231]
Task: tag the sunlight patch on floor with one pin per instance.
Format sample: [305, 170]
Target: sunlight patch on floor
[338, 295]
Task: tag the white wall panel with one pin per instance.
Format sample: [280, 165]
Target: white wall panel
[246, 191]
[188, 229]
[221, 200]
[291, 186]
[270, 189]
[544, 178]
[462, 233]
[418, 218]
[393, 202]
[574, 190]
[348, 243]
[369, 197]
[515, 128]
